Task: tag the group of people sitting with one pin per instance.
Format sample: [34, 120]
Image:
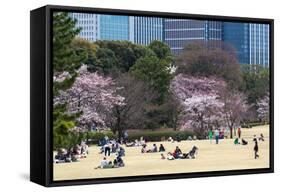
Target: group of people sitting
[73, 154]
[136, 143]
[154, 148]
[117, 162]
[177, 154]
[243, 141]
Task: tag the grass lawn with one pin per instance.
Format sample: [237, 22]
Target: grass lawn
[211, 157]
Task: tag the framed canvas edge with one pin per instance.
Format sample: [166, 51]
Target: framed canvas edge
[48, 130]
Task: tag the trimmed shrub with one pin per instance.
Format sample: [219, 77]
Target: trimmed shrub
[250, 125]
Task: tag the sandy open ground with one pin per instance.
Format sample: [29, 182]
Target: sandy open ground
[211, 157]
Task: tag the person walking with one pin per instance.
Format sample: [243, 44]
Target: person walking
[217, 135]
[210, 135]
[239, 133]
[256, 148]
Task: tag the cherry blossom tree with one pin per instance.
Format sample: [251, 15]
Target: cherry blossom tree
[263, 108]
[199, 97]
[234, 108]
[91, 95]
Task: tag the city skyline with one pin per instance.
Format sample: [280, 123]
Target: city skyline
[251, 41]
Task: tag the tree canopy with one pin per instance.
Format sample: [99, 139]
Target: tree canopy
[207, 59]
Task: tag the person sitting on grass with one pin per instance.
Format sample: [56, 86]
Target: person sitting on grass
[171, 139]
[191, 153]
[244, 142]
[177, 153]
[143, 149]
[60, 157]
[153, 149]
[121, 151]
[170, 156]
[118, 162]
[236, 141]
[178, 138]
[105, 164]
[161, 148]
[261, 138]
[136, 143]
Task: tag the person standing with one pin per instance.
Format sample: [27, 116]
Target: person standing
[239, 132]
[256, 148]
[126, 136]
[107, 149]
[217, 135]
[210, 135]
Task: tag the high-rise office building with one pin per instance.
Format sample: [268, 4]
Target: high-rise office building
[104, 27]
[148, 29]
[237, 35]
[115, 27]
[89, 24]
[251, 41]
[259, 44]
[180, 32]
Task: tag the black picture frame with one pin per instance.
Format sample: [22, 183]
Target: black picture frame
[41, 165]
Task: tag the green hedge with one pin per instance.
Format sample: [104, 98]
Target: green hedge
[250, 125]
[157, 135]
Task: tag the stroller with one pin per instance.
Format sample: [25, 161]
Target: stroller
[191, 154]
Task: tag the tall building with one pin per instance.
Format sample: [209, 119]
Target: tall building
[251, 41]
[237, 35]
[104, 27]
[148, 29]
[259, 44]
[89, 23]
[115, 27]
[180, 32]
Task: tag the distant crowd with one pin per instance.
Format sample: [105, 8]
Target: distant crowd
[112, 146]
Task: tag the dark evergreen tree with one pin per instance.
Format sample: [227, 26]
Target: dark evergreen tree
[66, 58]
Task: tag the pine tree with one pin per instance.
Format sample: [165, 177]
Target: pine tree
[66, 61]
[66, 58]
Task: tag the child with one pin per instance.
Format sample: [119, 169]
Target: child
[170, 156]
[162, 156]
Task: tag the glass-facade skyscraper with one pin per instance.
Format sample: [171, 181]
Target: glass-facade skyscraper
[104, 27]
[259, 44]
[237, 35]
[89, 23]
[114, 27]
[148, 29]
[250, 40]
[180, 32]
